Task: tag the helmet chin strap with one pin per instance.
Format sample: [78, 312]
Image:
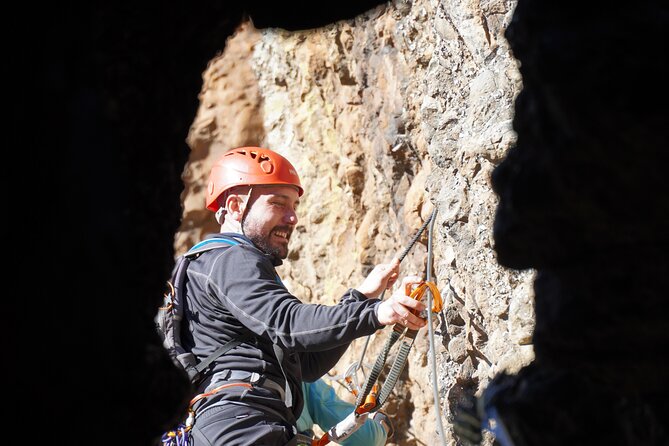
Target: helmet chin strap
[244, 212]
[220, 215]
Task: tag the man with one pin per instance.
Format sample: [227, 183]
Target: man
[252, 394]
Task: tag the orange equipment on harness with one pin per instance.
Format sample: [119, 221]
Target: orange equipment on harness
[370, 399]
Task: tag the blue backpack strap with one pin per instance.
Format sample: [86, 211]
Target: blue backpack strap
[212, 243]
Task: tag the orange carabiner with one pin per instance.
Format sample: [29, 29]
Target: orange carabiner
[418, 292]
[370, 401]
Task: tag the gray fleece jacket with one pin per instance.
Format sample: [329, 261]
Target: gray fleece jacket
[236, 291]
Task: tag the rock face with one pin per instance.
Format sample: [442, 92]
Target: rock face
[404, 108]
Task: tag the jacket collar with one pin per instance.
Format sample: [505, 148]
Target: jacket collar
[245, 240]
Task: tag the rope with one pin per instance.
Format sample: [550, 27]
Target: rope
[418, 234]
[432, 351]
[401, 257]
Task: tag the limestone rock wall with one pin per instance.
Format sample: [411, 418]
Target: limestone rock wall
[386, 116]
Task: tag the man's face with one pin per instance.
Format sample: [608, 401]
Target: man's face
[271, 218]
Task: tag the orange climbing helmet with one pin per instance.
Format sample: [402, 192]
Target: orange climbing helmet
[248, 166]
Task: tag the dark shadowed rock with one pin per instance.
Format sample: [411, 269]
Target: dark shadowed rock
[583, 199]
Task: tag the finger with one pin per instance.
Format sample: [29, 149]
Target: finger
[410, 304]
[391, 280]
[415, 322]
[405, 317]
[391, 275]
[412, 321]
[394, 268]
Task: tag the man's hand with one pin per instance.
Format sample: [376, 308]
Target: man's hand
[382, 277]
[398, 307]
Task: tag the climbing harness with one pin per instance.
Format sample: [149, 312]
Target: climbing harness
[181, 435]
[370, 398]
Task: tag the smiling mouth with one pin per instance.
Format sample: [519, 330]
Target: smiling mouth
[282, 234]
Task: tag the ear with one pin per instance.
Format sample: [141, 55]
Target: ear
[234, 206]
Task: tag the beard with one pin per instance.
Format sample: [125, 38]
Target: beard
[262, 242]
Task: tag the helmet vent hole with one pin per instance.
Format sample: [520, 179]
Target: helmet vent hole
[266, 166]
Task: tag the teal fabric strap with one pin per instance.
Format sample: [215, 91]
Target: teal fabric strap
[324, 408]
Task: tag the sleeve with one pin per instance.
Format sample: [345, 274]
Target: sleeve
[247, 283]
[316, 364]
[326, 409]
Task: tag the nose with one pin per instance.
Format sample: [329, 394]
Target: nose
[290, 217]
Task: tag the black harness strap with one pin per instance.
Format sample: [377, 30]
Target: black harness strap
[223, 349]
